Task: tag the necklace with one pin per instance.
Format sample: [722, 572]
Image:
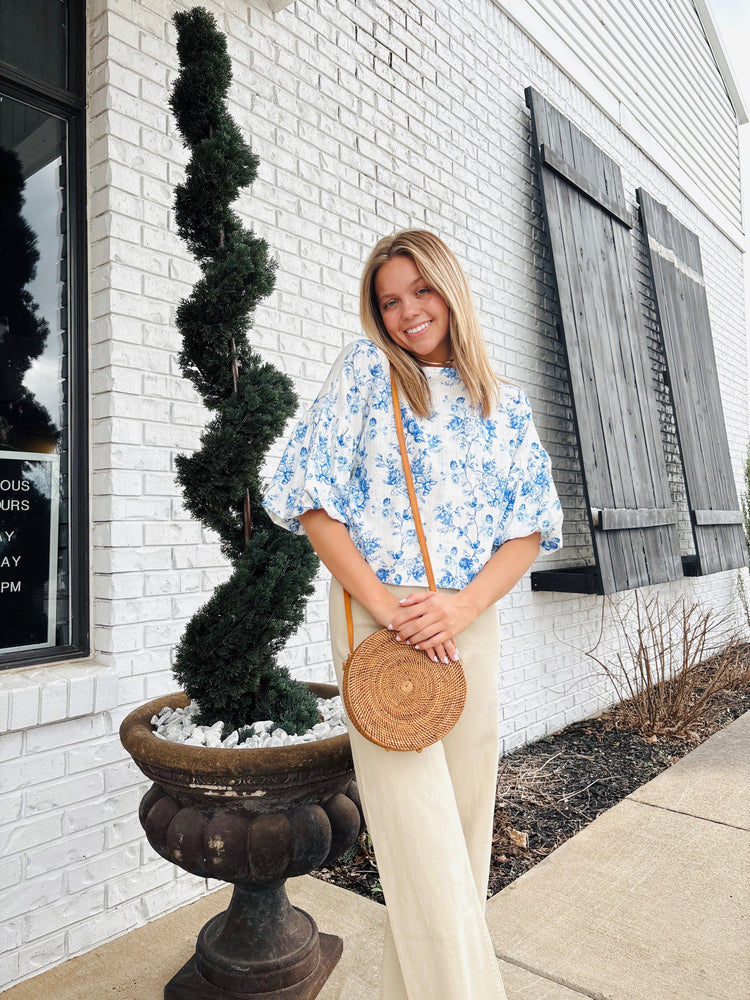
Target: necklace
[437, 364]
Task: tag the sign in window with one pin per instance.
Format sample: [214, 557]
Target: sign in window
[29, 505]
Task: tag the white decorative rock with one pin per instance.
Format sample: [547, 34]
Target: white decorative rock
[178, 726]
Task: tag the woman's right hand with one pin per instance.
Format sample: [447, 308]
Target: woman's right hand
[406, 618]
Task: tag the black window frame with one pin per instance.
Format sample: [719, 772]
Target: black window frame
[69, 105]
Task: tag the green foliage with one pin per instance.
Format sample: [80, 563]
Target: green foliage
[226, 659]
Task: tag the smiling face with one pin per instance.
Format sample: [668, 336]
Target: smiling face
[415, 316]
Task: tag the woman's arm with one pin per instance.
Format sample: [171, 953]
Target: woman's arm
[337, 551]
[432, 619]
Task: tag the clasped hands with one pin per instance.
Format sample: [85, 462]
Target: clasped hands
[431, 621]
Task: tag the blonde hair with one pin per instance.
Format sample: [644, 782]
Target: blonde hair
[440, 269]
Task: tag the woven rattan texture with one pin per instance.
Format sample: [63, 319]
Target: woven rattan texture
[397, 697]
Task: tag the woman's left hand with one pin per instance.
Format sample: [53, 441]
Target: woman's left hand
[432, 621]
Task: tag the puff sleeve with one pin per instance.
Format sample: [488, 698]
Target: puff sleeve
[315, 468]
[531, 502]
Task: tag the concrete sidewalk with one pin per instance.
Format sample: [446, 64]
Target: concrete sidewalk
[649, 902]
[652, 900]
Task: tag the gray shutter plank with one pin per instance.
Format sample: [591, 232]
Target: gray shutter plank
[682, 309]
[576, 229]
[615, 411]
[588, 413]
[639, 417]
[578, 218]
[576, 179]
[718, 517]
[615, 520]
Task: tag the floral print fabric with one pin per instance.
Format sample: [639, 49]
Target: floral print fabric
[478, 482]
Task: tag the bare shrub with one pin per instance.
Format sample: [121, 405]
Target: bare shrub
[661, 676]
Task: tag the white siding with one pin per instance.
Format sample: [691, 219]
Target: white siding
[648, 65]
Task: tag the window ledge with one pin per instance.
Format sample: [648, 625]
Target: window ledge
[36, 696]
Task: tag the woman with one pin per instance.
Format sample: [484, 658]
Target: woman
[487, 503]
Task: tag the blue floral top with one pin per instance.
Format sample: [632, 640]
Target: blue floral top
[479, 482]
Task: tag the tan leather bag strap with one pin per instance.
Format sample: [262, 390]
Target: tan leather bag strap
[414, 509]
[410, 483]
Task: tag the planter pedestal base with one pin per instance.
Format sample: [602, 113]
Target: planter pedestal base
[253, 818]
[189, 984]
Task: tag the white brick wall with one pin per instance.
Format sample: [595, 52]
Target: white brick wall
[366, 118]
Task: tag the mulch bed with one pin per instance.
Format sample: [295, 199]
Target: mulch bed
[551, 789]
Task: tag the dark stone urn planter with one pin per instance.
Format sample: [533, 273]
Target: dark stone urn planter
[253, 818]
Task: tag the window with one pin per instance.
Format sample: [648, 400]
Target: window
[43, 415]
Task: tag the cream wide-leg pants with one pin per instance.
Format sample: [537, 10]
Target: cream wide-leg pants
[430, 817]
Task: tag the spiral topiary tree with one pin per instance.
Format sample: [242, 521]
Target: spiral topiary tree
[226, 659]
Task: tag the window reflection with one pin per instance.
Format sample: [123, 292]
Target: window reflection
[25, 422]
[34, 556]
[32, 278]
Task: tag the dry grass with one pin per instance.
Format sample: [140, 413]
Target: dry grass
[737, 654]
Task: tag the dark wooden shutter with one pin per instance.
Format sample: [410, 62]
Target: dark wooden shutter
[632, 518]
[682, 310]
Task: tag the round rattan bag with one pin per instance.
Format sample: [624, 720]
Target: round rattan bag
[397, 697]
